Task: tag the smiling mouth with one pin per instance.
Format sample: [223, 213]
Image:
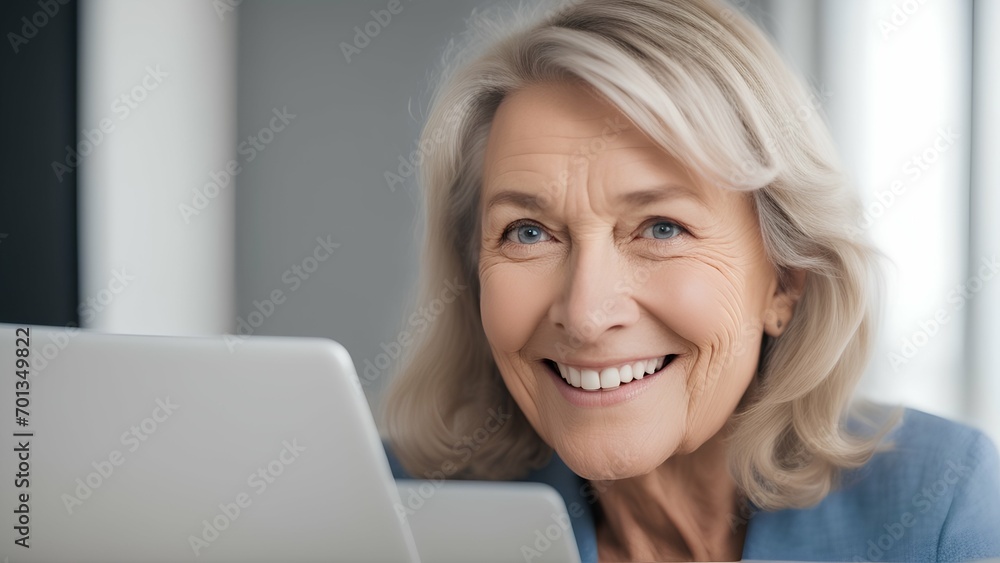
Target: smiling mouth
[609, 377]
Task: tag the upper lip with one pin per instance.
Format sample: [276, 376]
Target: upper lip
[599, 365]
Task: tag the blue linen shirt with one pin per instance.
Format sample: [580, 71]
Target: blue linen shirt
[935, 496]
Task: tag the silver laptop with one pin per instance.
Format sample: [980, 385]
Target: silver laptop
[143, 448]
[488, 522]
[135, 448]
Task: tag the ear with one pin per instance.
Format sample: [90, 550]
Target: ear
[787, 291]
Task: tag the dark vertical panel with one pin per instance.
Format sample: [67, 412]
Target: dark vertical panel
[38, 224]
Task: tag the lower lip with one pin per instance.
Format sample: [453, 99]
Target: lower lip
[606, 397]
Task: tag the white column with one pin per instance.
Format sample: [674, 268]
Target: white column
[157, 121]
[899, 83]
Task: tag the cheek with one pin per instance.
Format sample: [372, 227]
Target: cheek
[514, 302]
[696, 301]
[710, 311]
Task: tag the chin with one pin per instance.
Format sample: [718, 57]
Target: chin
[608, 458]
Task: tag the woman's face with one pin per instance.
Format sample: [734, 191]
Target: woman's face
[602, 260]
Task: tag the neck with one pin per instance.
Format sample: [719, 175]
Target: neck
[683, 510]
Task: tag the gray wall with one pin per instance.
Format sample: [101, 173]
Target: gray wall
[323, 174]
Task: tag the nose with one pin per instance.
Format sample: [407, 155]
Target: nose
[595, 301]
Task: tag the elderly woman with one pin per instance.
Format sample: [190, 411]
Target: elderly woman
[665, 304]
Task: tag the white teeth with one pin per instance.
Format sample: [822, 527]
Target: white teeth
[589, 379]
[574, 376]
[625, 373]
[638, 370]
[610, 378]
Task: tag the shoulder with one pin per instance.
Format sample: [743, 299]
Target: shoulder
[940, 459]
[949, 477]
[933, 493]
[925, 435]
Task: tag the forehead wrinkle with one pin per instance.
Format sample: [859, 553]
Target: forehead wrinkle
[664, 171]
[506, 157]
[494, 179]
[568, 146]
[644, 153]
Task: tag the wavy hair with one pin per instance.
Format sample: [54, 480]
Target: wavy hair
[705, 84]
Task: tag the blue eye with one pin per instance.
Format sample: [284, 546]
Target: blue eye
[526, 234]
[663, 230]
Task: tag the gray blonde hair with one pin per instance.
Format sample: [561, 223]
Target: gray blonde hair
[704, 83]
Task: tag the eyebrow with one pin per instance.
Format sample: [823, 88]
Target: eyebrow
[639, 198]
